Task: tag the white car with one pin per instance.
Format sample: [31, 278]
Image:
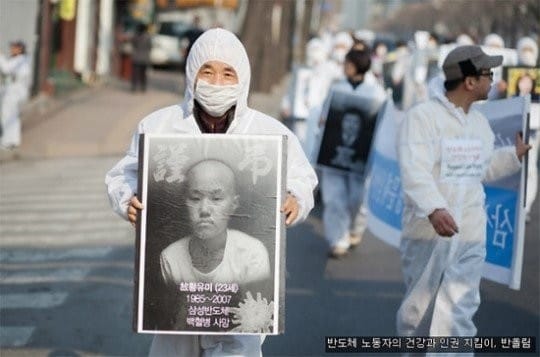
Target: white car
[168, 47]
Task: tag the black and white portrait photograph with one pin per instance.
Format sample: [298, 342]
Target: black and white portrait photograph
[211, 238]
[348, 132]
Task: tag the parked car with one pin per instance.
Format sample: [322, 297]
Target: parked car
[168, 47]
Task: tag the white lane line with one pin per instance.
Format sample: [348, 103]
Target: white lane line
[18, 217]
[54, 197]
[15, 336]
[32, 300]
[32, 256]
[38, 229]
[31, 277]
[66, 205]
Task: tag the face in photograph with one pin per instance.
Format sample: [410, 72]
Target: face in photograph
[211, 198]
[525, 84]
[350, 126]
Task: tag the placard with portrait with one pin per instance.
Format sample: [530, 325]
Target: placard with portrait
[521, 81]
[210, 239]
[348, 132]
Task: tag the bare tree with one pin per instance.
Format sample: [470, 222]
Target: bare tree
[267, 35]
[509, 18]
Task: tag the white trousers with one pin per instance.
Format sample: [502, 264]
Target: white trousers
[442, 276]
[206, 345]
[342, 197]
[311, 141]
[10, 121]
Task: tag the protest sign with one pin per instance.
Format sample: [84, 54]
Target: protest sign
[211, 238]
[348, 131]
[522, 81]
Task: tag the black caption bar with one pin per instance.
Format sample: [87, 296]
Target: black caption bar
[389, 344]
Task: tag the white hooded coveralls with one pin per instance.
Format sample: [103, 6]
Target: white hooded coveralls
[342, 191]
[16, 69]
[442, 275]
[121, 180]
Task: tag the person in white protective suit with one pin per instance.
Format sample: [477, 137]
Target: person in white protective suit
[494, 42]
[342, 191]
[319, 83]
[401, 57]
[341, 45]
[527, 50]
[444, 221]
[16, 72]
[324, 75]
[464, 40]
[316, 83]
[215, 101]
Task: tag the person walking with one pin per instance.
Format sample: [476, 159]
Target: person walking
[444, 220]
[16, 72]
[142, 44]
[342, 191]
[215, 102]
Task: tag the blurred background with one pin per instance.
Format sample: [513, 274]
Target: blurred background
[71, 41]
[67, 261]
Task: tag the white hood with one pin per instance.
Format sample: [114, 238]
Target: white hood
[217, 45]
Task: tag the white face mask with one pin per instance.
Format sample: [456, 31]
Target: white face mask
[216, 100]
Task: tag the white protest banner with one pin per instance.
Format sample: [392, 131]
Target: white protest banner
[504, 198]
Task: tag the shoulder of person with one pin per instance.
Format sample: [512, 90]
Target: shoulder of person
[266, 124]
[340, 85]
[159, 117]
[423, 110]
[373, 88]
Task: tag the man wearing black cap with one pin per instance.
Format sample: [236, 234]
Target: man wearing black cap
[446, 150]
[16, 72]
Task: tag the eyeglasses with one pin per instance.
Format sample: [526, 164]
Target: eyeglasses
[485, 73]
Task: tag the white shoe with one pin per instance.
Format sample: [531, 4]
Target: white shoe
[354, 240]
[338, 252]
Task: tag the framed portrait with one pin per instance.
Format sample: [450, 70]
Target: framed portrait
[348, 131]
[211, 238]
[522, 81]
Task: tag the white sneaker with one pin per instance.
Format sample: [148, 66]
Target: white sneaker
[354, 240]
[338, 252]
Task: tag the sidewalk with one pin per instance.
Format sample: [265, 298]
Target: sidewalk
[99, 121]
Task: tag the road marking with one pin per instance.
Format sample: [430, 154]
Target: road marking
[41, 229]
[59, 216]
[15, 336]
[32, 300]
[34, 255]
[53, 275]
